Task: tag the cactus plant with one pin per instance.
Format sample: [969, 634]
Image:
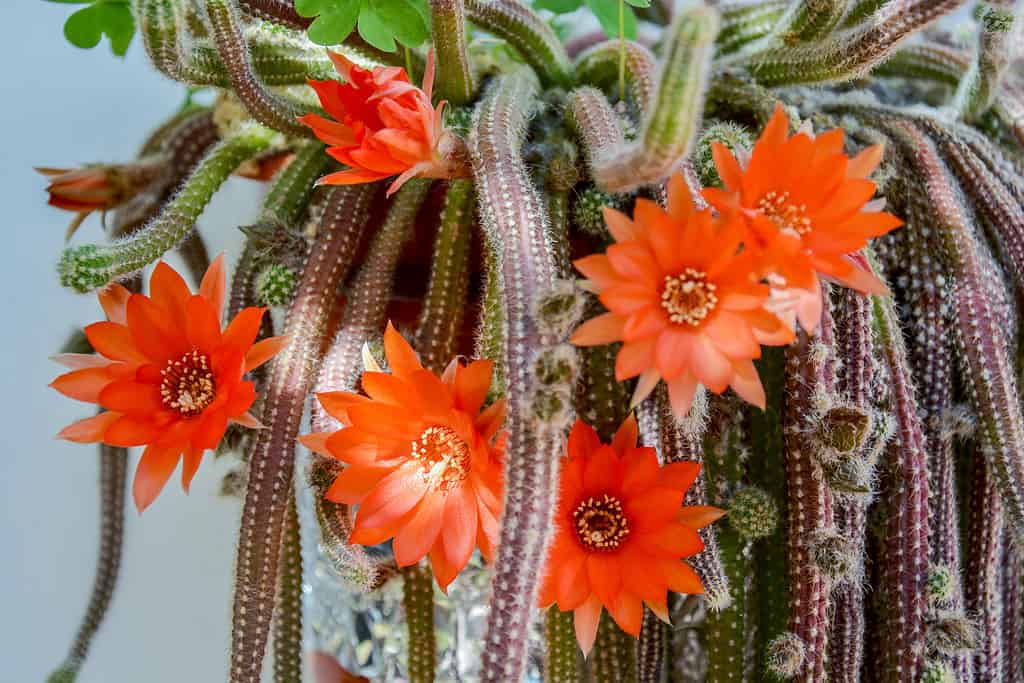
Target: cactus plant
[607, 228]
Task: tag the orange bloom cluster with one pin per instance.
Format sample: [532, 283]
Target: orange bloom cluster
[621, 532]
[693, 295]
[383, 126]
[166, 374]
[424, 459]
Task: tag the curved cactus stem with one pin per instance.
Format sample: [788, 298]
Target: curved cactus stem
[418, 605]
[599, 131]
[561, 653]
[650, 654]
[930, 61]
[675, 111]
[288, 612]
[905, 544]
[273, 455]
[113, 467]
[455, 81]
[264, 106]
[524, 30]
[194, 254]
[849, 54]
[444, 305]
[746, 21]
[599, 65]
[516, 226]
[983, 580]
[980, 85]
[88, 267]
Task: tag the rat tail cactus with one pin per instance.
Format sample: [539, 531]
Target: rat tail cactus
[683, 349]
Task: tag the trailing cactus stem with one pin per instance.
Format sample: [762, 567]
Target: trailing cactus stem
[670, 126]
[418, 605]
[981, 83]
[273, 454]
[455, 80]
[293, 187]
[288, 613]
[983, 582]
[524, 30]
[599, 66]
[745, 21]
[90, 266]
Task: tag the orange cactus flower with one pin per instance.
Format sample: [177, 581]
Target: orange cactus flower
[168, 377]
[621, 532]
[683, 299]
[384, 126]
[424, 461]
[807, 207]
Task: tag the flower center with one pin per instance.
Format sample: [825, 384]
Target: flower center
[600, 524]
[443, 456]
[688, 297]
[785, 215]
[187, 385]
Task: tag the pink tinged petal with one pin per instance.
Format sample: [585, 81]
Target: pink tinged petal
[317, 442]
[155, 467]
[747, 384]
[865, 163]
[202, 325]
[396, 495]
[401, 358]
[428, 75]
[264, 350]
[732, 336]
[214, 284]
[864, 282]
[599, 330]
[352, 177]
[248, 420]
[114, 298]
[681, 391]
[89, 430]
[406, 176]
[80, 361]
[644, 386]
[633, 359]
[598, 270]
[645, 323]
[672, 353]
[585, 619]
[710, 365]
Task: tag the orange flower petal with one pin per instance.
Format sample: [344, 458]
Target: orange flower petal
[214, 284]
[599, 330]
[394, 496]
[458, 537]
[242, 331]
[355, 482]
[628, 612]
[130, 431]
[132, 398]
[89, 430]
[681, 578]
[264, 350]
[189, 465]
[417, 537]
[337, 403]
[114, 300]
[583, 440]
[681, 391]
[83, 385]
[679, 475]
[699, 516]
[605, 576]
[747, 384]
[316, 442]
[154, 469]
[202, 325]
[401, 358]
[626, 435]
[153, 332]
[114, 341]
[168, 290]
[471, 385]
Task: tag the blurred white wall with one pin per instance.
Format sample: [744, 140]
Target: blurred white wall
[170, 619]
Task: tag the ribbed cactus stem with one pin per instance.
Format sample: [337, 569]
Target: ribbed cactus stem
[113, 466]
[88, 267]
[851, 53]
[905, 544]
[266, 107]
[272, 64]
[929, 61]
[273, 455]
[524, 30]
[444, 306]
[291, 190]
[1013, 609]
[996, 48]
[671, 125]
[279, 11]
[599, 65]
[809, 20]
[980, 332]
[418, 606]
[861, 9]
[515, 224]
[983, 576]
[158, 22]
[650, 652]
[288, 612]
[809, 506]
[560, 649]
[745, 21]
[613, 659]
[599, 131]
[455, 81]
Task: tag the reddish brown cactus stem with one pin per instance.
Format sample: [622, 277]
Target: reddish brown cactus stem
[809, 503]
[598, 128]
[1013, 606]
[905, 545]
[273, 455]
[515, 222]
[983, 578]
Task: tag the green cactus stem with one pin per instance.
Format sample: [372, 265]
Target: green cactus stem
[113, 467]
[273, 454]
[525, 31]
[288, 613]
[418, 606]
[599, 65]
[650, 655]
[745, 21]
[455, 80]
[996, 48]
[88, 267]
[929, 61]
[560, 650]
[613, 659]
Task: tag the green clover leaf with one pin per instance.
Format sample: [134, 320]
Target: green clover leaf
[381, 23]
[607, 13]
[86, 27]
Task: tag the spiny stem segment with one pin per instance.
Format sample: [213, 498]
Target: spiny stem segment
[90, 266]
[288, 613]
[980, 85]
[113, 466]
[530, 35]
[418, 603]
[272, 458]
[455, 81]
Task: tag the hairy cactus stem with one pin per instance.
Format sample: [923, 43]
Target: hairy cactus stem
[675, 112]
[444, 306]
[599, 66]
[905, 544]
[860, 10]
[809, 503]
[455, 81]
[983, 581]
[273, 65]
[418, 606]
[524, 30]
[980, 85]
[930, 61]
[980, 332]
[88, 267]
[598, 129]
[273, 453]
[266, 107]
[1013, 610]
[516, 227]
[849, 54]
[650, 656]
[746, 21]
[288, 612]
[113, 466]
[159, 23]
[560, 649]
[613, 659]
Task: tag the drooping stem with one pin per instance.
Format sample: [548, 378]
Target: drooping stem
[288, 613]
[980, 85]
[455, 81]
[273, 454]
[982, 589]
[524, 30]
[90, 266]
[113, 466]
